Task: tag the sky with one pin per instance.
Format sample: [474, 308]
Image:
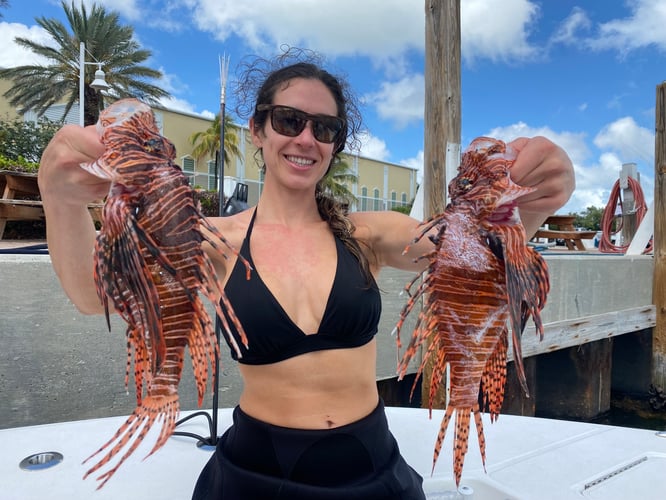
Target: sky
[582, 73]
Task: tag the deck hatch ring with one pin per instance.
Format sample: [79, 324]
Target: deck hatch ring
[614, 473]
[40, 461]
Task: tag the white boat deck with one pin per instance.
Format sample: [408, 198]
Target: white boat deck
[526, 458]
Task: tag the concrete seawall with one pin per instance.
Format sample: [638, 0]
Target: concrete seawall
[57, 364]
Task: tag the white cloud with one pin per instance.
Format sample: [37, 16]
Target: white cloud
[383, 30]
[373, 147]
[379, 28]
[127, 8]
[568, 30]
[400, 102]
[497, 29]
[644, 27]
[631, 141]
[12, 54]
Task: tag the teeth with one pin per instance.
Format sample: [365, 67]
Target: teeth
[299, 160]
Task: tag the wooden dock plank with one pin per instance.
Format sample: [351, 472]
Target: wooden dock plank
[578, 331]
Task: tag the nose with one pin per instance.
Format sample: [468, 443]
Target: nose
[307, 135]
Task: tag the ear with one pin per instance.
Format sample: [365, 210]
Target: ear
[254, 133]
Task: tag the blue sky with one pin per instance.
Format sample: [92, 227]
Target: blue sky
[582, 73]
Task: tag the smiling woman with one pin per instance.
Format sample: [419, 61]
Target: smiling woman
[309, 422]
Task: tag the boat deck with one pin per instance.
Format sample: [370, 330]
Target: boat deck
[526, 458]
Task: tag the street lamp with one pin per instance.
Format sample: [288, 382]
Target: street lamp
[98, 83]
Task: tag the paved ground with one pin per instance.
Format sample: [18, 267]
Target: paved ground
[57, 364]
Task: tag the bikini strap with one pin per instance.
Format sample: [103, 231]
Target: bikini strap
[251, 225]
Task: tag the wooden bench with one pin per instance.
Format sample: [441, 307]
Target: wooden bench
[14, 186]
[565, 231]
[12, 210]
[572, 239]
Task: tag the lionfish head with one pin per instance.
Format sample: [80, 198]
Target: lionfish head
[484, 182]
[129, 124]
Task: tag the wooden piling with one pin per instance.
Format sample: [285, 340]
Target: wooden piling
[574, 383]
[442, 99]
[659, 279]
[441, 116]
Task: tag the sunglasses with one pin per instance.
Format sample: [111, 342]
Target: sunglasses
[291, 122]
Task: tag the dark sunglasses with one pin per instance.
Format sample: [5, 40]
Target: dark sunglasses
[291, 122]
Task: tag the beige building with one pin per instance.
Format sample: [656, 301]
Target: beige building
[380, 186]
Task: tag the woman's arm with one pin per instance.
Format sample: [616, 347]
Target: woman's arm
[66, 189]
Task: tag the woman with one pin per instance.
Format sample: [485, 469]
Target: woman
[309, 423]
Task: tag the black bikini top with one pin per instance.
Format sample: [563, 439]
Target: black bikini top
[350, 318]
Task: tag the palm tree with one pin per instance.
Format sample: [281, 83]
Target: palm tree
[335, 182]
[39, 87]
[207, 143]
[4, 4]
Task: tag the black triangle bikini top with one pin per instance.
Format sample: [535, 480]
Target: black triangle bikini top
[350, 318]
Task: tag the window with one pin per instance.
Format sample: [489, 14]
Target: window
[188, 169]
[377, 201]
[394, 199]
[212, 174]
[364, 199]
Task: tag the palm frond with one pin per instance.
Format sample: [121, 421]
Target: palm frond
[37, 88]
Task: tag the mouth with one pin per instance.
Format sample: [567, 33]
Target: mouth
[300, 162]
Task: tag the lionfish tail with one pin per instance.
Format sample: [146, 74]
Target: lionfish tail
[461, 438]
[130, 435]
[441, 435]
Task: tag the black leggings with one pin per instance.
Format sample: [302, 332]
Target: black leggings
[256, 460]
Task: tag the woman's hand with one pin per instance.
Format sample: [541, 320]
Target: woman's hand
[545, 166]
[61, 177]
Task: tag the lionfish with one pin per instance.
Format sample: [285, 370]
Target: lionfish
[149, 264]
[481, 275]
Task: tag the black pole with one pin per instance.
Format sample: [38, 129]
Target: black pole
[224, 66]
[212, 439]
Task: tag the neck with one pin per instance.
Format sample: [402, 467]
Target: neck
[289, 209]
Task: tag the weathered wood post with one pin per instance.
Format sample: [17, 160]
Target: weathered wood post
[441, 116]
[659, 281]
[442, 99]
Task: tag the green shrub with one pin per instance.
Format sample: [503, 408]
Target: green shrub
[209, 200]
[19, 164]
[26, 139]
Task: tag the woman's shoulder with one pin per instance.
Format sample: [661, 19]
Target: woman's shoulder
[232, 228]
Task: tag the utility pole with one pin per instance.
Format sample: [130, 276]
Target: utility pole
[442, 100]
[659, 276]
[441, 118]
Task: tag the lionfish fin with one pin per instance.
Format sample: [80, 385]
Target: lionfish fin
[134, 430]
